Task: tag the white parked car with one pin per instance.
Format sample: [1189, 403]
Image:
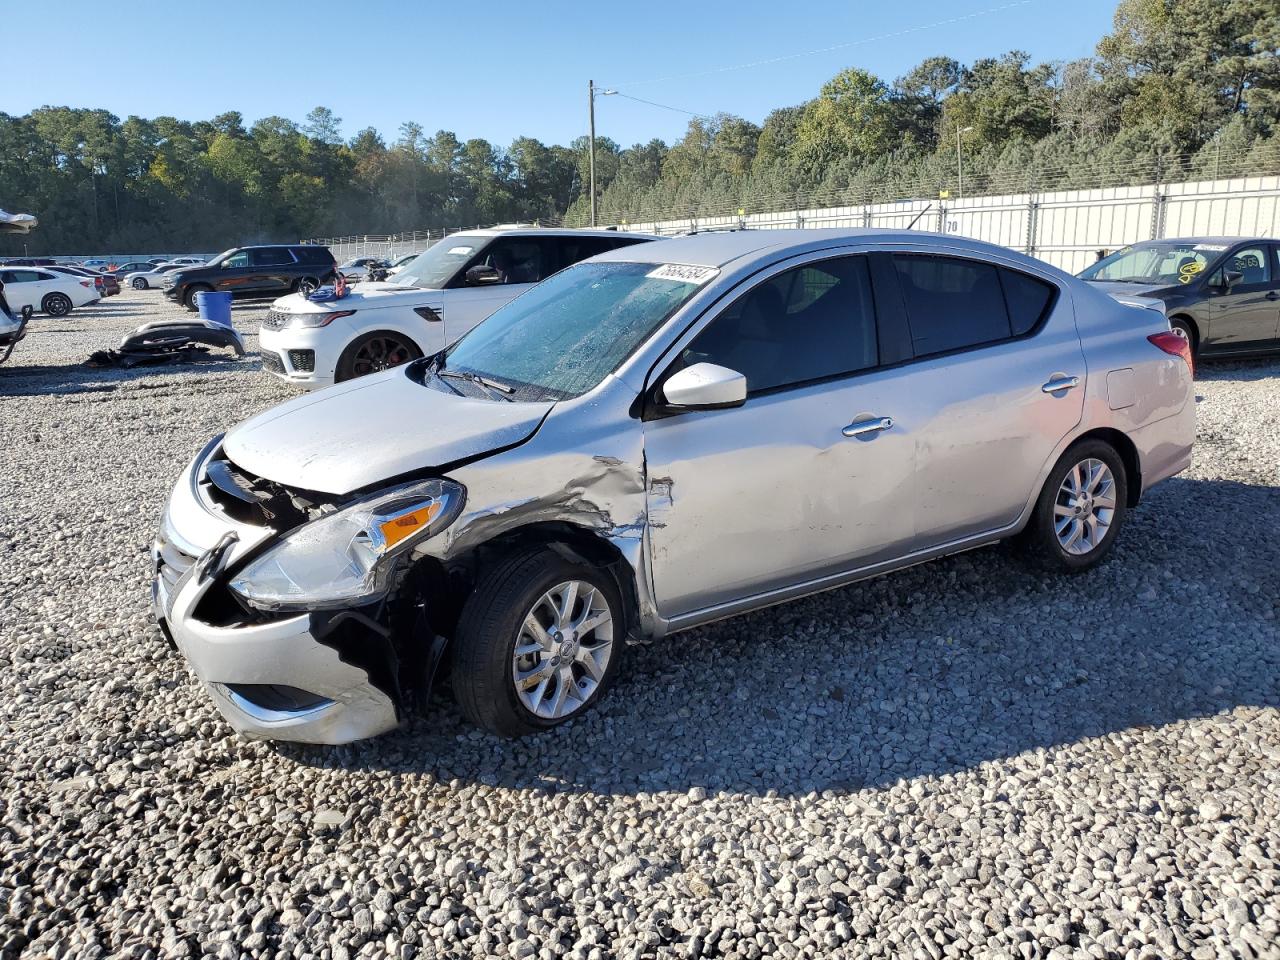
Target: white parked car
[399, 263]
[56, 294]
[357, 269]
[185, 262]
[432, 302]
[148, 279]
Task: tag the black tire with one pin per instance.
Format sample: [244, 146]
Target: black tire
[1186, 329]
[305, 285]
[189, 295]
[374, 351]
[1040, 542]
[491, 623]
[56, 304]
[138, 283]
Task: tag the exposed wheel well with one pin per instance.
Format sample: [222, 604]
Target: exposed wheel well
[1128, 453]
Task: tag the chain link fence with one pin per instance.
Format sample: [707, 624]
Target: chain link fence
[1060, 214]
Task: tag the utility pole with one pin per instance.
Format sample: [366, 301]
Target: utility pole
[960, 162]
[591, 115]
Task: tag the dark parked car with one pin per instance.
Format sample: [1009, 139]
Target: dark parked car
[28, 262]
[255, 272]
[106, 284]
[1221, 293]
[133, 266]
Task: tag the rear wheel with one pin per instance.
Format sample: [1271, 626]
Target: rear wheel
[138, 283]
[1183, 328]
[189, 298]
[380, 350]
[538, 642]
[1080, 510]
[56, 304]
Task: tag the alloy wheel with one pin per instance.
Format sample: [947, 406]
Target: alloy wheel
[380, 353]
[563, 650]
[139, 283]
[1085, 507]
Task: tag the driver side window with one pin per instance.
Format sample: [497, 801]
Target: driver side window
[806, 324]
[517, 259]
[236, 262]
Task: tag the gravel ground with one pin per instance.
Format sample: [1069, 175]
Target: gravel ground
[963, 759]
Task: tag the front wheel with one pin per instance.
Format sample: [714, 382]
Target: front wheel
[138, 283]
[537, 643]
[1080, 510]
[56, 304]
[189, 298]
[380, 350]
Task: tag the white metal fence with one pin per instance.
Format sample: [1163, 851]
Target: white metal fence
[1066, 228]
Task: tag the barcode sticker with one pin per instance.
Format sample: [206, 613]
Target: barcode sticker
[683, 273]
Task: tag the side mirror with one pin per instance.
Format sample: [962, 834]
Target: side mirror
[480, 275]
[1230, 278]
[705, 386]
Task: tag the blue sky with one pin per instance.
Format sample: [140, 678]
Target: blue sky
[502, 69]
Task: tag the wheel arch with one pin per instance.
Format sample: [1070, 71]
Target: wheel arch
[572, 541]
[1128, 452]
[1196, 333]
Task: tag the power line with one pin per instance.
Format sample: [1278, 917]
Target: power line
[664, 106]
[837, 46]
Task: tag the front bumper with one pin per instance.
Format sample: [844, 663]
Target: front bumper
[283, 349]
[245, 665]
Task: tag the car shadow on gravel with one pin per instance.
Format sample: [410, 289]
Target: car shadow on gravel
[927, 672]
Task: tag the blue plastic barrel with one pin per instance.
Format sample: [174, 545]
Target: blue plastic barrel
[214, 307]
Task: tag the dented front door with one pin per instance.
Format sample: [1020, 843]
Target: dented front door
[777, 492]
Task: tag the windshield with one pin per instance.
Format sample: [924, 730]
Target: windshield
[566, 334]
[219, 258]
[434, 268]
[1173, 262]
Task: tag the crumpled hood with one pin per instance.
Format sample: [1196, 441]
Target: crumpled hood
[372, 429]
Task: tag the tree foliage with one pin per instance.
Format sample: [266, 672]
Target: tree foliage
[1186, 77]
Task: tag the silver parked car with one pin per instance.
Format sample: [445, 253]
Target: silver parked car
[655, 438]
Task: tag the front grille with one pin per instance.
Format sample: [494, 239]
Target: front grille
[276, 320]
[303, 361]
[272, 362]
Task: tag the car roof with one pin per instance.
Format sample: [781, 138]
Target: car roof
[716, 249]
[1227, 240]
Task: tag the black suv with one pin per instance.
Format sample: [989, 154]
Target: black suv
[1220, 293]
[254, 272]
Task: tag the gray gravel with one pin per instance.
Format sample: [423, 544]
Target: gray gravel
[964, 759]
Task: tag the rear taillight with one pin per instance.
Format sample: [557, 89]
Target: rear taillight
[1177, 346]
[97, 282]
[86, 283]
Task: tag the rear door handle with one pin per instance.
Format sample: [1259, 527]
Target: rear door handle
[863, 428]
[1061, 384]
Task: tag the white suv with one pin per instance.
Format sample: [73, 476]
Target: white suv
[432, 302]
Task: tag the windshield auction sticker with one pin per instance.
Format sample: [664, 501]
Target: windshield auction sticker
[683, 273]
[1210, 246]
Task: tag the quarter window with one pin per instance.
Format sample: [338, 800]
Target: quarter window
[806, 324]
[1028, 300]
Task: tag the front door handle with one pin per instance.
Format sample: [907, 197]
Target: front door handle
[862, 428]
[1061, 384]
[1273, 295]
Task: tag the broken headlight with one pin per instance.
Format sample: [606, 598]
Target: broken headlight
[345, 557]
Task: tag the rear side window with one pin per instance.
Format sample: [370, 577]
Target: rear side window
[806, 324]
[272, 257]
[951, 303]
[313, 254]
[1029, 299]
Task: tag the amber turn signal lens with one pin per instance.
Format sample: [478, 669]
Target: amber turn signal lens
[406, 524]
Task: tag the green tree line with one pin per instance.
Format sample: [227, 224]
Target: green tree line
[1197, 79]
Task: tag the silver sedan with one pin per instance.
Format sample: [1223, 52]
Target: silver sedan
[656, 438]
